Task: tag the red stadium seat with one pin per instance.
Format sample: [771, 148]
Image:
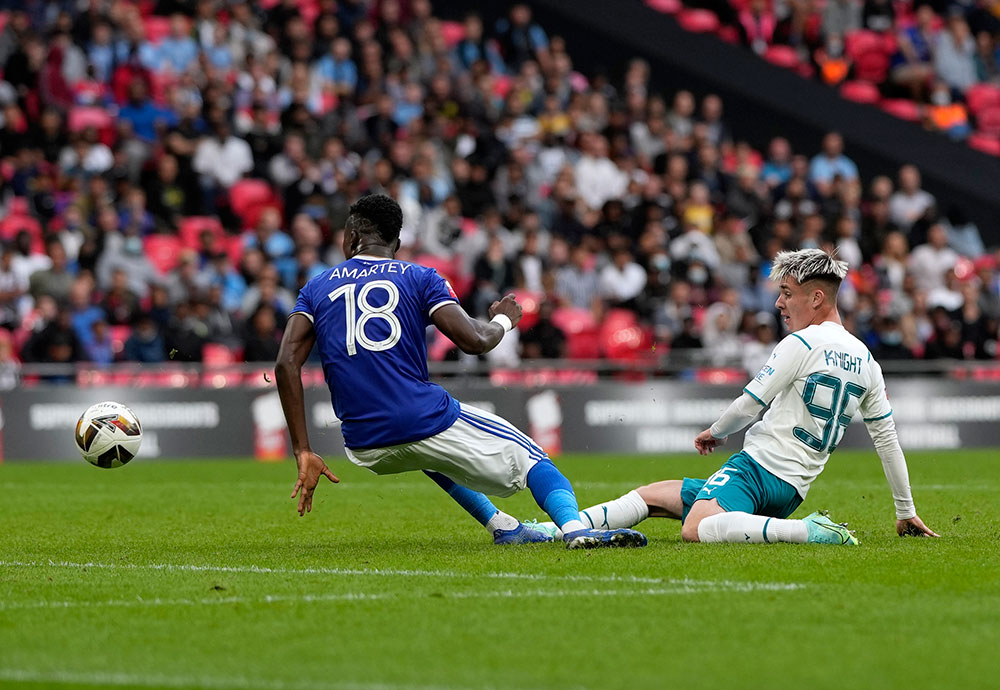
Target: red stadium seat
[191, 228]
[247, 193]
[729, 34]
[982, 96]
[583, 345]
[698, 21]
[872, 66]
[16, 222]
[157, 28]
[573, 320]
[783, 56]
[860, 92]
[988, 120]
[985, 143]
[217, 355]
[452, 33]
[163, 251]
[665, 6]
[84, 117]
[857, 43]
[902, 108]
[119, 334]
[530, 303]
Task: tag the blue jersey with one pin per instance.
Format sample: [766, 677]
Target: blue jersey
[370, 316]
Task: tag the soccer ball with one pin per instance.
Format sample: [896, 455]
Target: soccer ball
[108, 434]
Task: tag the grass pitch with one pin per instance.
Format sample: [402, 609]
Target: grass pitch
[201, 575]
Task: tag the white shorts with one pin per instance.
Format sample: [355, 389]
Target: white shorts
[480, 451]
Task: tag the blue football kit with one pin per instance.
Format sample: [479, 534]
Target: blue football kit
[370, 316]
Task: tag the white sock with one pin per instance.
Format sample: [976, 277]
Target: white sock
[571, 526]
[744, 528]
[627, 511]
[501, 520]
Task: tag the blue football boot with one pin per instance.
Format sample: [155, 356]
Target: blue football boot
[522, 534]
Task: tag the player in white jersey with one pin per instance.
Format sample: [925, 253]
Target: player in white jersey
[815, 381]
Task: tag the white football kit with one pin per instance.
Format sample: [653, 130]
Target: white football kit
[813, 384]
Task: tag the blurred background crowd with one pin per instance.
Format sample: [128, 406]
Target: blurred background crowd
[930, 61]
[172, 172]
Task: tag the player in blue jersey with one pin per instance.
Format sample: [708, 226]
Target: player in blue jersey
[368, 317]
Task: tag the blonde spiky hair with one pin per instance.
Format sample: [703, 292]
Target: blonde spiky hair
[808, 264]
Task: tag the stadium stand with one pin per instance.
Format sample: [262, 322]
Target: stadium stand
[170, 180]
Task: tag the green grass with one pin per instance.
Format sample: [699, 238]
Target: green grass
[388, 584]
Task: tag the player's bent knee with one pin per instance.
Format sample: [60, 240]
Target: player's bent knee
[689, 530]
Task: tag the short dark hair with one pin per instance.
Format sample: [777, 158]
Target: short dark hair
[378, 215]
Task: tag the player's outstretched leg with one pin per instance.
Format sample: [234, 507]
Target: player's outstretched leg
[554, 494]
[744, 528]
[504, 528]
[627, 511]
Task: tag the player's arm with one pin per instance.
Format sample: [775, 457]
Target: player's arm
[473, 336]
[883, 434]
[739, 414]
[296, 344]
[877, 414]
[778, 373]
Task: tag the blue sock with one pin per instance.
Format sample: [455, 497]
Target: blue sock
[553, 492]
[475, 503]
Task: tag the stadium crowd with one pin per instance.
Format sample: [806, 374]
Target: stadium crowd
[930, 61]
[172, 173]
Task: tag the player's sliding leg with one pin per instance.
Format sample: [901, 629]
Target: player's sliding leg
[744, 528]
[554, 494]
[504, 528]
[661, 499]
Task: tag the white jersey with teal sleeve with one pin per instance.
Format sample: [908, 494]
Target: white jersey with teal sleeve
[814, 382]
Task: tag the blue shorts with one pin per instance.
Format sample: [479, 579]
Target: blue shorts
[743, 485]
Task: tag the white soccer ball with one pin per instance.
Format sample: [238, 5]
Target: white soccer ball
[108, 434]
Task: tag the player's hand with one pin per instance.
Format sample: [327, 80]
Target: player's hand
[705, 443]
[509, 307]
[311, 468]
[914, 527]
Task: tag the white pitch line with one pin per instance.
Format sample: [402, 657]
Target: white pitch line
[360, 597]
[105, 679]
[734, 585]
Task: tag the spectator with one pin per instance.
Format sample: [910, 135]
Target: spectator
[963, 235]
[623, 280]
[910, 203]
[544, 340]
[955, 54]
[597, 178]
[945, 115]
[221, 160]
[521, 39]
[55, 343]
[13, 290]
[494, 275]
[56, 280]
[757, 24]
[831, 163]
[912, 64]
[929, 262]
[99, 346]
[146, 343]
[146, 119]
[9, 366]
[777, 170]
[261, 344]
[577, 283]
[177, 52]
